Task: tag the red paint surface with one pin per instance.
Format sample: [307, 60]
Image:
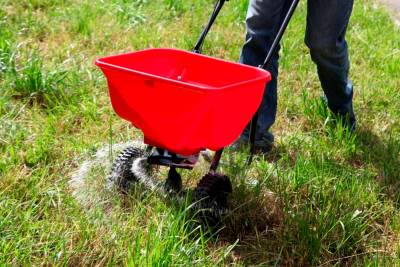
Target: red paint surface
[183, 101]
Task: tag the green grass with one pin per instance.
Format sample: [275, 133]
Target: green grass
[320, 198]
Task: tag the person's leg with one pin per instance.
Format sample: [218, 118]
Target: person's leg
[327, 22]
[262, 22]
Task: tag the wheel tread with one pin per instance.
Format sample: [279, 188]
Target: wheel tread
[121, 173]
[211, 194]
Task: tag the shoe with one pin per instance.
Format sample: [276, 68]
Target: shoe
[237, 146]
[241, 146]
[348, 119]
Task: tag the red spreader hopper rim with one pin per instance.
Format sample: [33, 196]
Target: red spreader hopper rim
[265, 76]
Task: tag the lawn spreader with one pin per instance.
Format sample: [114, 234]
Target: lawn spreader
[185, 103]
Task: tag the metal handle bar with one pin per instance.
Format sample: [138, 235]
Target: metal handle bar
[279, 35]
[272, 51]
[199, 44]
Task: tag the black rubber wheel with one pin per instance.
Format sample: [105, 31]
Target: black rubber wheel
[121, 172]
[212, 194]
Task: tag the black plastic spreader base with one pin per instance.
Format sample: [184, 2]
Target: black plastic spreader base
[166, 158]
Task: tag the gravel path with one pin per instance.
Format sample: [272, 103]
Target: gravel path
[395, 5]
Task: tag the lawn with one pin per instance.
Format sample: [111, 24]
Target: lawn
[322, 197]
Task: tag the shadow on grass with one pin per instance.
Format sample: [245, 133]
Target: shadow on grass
[385, 157]
[270, 232]
[254, 220]
[258, 218]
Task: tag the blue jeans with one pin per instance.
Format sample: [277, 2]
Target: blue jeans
[327, 22]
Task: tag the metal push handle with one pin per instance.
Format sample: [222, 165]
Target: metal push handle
[199, 45]
[279, 35]
[268, 59]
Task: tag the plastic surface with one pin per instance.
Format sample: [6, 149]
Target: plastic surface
[183, 101]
